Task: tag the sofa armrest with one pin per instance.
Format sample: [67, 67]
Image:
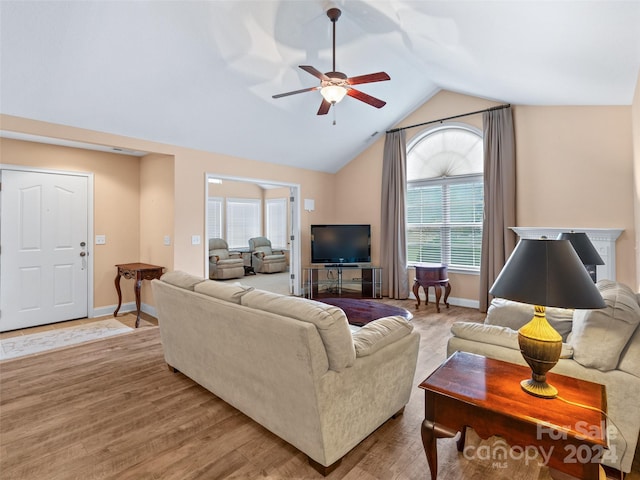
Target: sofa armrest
[378, 334]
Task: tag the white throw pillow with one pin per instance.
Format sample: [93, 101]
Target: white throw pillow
[599, 336]
[514, 315]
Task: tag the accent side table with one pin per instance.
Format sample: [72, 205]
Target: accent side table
[139, 271]
[470, 390]
[432, 275]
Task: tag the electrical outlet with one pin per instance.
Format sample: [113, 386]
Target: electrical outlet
[167, 240]
[101, 239]
[195, 239]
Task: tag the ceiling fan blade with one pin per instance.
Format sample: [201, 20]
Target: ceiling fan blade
[370, 78]
[314, 71]
[310, 89]
[363, 97]
[324, 107]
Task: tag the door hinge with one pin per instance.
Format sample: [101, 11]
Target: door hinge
[293, 276]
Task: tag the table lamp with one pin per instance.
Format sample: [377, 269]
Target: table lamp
[588, 254]
[544, 273]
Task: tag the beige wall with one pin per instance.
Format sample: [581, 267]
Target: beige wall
[574, 168]
[156, 213]
[635, 123]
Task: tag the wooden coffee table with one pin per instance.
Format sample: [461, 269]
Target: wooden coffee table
[360, 312]
[469, 390]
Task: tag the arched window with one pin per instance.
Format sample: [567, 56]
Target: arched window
[445, 197]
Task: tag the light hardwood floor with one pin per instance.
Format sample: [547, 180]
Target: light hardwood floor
[112, 410]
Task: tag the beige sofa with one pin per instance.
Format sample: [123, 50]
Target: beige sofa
[601, 346]
[291, 364]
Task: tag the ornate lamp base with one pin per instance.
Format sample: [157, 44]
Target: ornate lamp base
[540, 346]
[539, 389]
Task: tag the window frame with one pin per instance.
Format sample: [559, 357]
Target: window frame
[446, 181]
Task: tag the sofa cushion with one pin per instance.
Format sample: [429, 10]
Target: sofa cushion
[378, 334]
[330, 321]
[223, 291]
[630, 356]
[181, 279]
[495, 335]
[507, 313]
[599, 336]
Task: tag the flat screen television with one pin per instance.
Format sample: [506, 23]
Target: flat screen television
[341, 244]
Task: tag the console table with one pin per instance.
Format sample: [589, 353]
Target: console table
[432, 275]
[139, 271]
[470, 390]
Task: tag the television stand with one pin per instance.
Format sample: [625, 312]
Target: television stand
[339, 280]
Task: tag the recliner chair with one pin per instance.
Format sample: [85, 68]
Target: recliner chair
[264, 259]
[222, 263]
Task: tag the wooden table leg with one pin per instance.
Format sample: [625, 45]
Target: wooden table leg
[416, 293]
[137, 288]
[430, 448]
[447, 291]
[117, 282]
[460, 441]
[438, 291]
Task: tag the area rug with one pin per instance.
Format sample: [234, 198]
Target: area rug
[62, 337]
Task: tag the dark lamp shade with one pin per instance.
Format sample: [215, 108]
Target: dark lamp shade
[583, 247]
[548, 273]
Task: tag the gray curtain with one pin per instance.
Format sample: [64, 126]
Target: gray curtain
[498, 241]
[393, 237]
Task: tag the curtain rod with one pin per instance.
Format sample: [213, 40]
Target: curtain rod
[440, 120]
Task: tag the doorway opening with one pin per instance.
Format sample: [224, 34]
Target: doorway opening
[223, 188]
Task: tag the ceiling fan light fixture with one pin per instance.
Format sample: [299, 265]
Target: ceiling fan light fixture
[333, 93]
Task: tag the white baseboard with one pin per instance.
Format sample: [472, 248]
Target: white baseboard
[124, 308]
[459, 302]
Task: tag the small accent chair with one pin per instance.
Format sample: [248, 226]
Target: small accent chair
[264, 259]
[222, 264]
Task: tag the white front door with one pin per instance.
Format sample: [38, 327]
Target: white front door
[44, 240]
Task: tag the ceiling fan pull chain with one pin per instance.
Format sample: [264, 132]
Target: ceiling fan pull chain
[334, 114]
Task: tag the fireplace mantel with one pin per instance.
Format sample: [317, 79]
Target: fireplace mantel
[603, 239]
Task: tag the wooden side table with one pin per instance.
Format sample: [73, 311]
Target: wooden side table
[139, 271]
[470, 390]
[432, 275]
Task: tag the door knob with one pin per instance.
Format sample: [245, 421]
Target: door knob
[82, 254]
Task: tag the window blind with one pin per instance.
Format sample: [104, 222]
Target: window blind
[214, 217]
[444, 222]
[243, 221]
[276, 222]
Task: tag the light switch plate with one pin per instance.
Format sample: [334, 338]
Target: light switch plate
[101, 239]
[195, 239]
[167, 240]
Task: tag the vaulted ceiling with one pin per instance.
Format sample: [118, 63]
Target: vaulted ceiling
[201, 74]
